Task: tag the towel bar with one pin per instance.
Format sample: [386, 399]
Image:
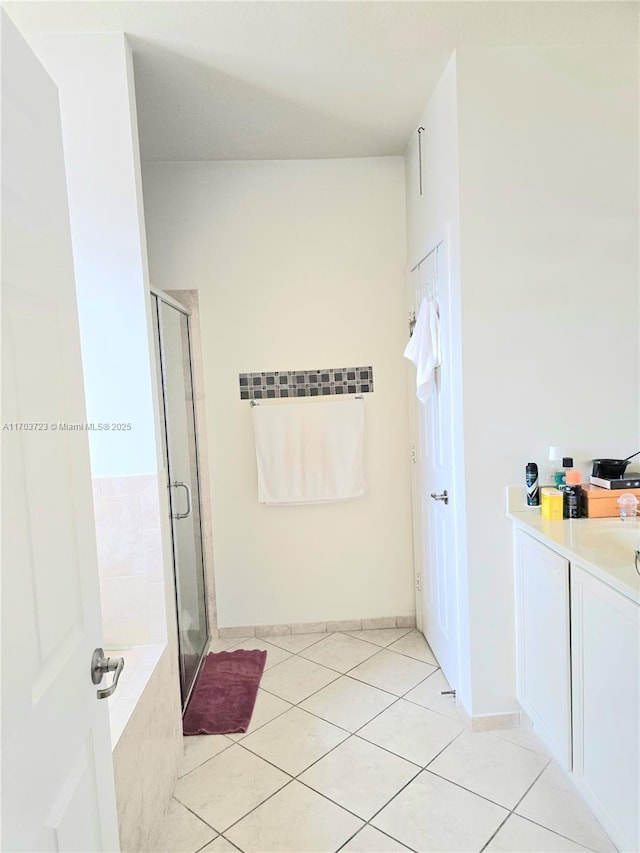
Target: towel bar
[253, 403]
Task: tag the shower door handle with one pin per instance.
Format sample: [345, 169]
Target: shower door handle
[187, 489]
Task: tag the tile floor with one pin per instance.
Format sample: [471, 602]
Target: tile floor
[352, 747]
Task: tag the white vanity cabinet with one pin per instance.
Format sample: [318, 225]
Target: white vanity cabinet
[543, 667]
[606, 702]
[578, 670]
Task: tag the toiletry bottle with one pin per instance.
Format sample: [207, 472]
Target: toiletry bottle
[573, 477]
[531, 479]
[577, 497]
[555, 456]
[567, 462]
[572, 501]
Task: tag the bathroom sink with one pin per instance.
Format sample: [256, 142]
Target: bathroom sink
[613, 543]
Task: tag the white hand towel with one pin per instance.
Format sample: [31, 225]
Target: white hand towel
[423, 348]
[309, 452]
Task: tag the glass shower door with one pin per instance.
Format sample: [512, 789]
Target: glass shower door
[184, 493]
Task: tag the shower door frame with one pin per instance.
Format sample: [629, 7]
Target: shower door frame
[172, 303]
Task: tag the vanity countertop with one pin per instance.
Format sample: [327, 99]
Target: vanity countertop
[605, 547]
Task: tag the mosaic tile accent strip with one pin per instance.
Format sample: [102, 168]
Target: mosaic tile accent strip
[329, 382]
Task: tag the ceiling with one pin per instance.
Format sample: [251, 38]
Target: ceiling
[305, 79]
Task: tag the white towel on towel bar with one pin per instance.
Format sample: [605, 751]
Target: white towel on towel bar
[309, 452]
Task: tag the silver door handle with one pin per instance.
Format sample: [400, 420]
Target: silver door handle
[100, 665]
[444, 497]
[186, 487]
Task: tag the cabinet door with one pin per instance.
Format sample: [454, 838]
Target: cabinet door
[605, 637]
[542, 643]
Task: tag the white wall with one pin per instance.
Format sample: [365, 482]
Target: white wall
[95, 76]
[299, 265]
[439, 201]
[548, 147]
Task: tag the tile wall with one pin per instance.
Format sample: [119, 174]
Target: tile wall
[323, 382]
[130, 563]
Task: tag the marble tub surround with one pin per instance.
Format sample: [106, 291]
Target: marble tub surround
[139, 664]
[147, 758]
[130, 562]
[291, 628]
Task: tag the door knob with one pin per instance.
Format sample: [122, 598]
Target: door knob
[100, 665]
[444, 497]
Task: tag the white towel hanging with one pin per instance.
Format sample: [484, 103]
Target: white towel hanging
[309, 452]
[423, 348]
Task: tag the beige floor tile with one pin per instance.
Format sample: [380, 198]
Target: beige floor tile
[370, 840]
[433, 816]
[228, 786]
[415, 646]
[296, 678]
[275, 654]
[181, 831]
[554, 803]
[523, 736]
[429, 694]
[392, 672]
[200, 748]
[267, 707]
[520, 836]
[223, 644]
[359, 776]
[220, 845]
[380, 636]
[295, 820]
[412, 732]
[340, 651]
[493, 768]
[236, 789]
[348, 703]
[294, 740]
[295, 643]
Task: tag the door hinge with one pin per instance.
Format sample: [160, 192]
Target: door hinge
[414, 455]
[418, 583]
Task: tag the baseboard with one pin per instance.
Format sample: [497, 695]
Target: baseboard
[317, 627]
[494, 722]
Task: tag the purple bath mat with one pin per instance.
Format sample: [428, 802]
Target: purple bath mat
[225, 693]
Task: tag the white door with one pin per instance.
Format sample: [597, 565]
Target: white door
[433, 449]
[57, 774]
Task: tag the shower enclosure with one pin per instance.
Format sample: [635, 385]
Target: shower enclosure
[173, 355]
